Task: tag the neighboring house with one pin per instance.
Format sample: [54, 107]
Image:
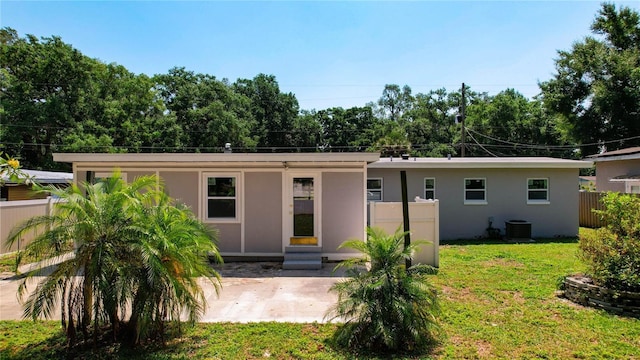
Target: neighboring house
[587, 183]
[260, 203]
[475, 191]
[618, 170]
[10, 191]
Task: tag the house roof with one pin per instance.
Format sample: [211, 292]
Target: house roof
[622, 154]
[46, 177]
[625, 178]
[480, 162]
[227, 158]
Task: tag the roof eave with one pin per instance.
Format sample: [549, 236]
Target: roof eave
[216, 158]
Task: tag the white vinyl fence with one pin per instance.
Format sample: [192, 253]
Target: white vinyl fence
[424, 224]
[14, 212]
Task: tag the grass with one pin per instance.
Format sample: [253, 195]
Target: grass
[498, 301]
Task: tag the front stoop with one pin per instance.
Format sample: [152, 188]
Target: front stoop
[302, 258]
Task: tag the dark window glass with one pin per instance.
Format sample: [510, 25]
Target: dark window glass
[374, 184]
[474, 195]
[537, 195]
[537, 184]
[221, 208]
[471, 184]
[375, 195]
[221, 186]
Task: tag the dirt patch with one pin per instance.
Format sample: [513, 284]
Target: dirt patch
[503, 262]
[483, 348]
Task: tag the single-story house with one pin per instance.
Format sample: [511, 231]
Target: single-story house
[11, 191]
[262, 204]
[618, 170]
[474, 192]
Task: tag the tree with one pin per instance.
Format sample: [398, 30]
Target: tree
[395, 101]
[387, 307]
[430, 123]
[275, 112]
[207, 110]
[44, 89]
[595, 94]
[509, 124]
[130, 246]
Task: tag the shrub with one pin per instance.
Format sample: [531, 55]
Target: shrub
[387, 307]
[612, 253]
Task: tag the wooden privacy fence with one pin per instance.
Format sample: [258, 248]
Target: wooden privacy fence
[14, 212]
[590, 201]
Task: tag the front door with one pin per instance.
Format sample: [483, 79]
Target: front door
[301, 214]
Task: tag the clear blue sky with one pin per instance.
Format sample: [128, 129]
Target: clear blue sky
[328, 53]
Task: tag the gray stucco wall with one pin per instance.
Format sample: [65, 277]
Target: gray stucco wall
[506, 199]
[263, 212]
[132, 175]
[342, 208]
[605, 170]
[182, 186]
[228, 237]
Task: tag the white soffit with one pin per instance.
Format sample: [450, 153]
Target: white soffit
[480, 163]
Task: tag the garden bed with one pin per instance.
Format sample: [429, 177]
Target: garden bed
[581, 289]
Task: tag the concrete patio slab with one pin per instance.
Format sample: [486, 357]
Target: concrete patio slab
[251, 292]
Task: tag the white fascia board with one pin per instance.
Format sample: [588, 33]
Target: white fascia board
[616, 158]
[479, 163]
[237, 158]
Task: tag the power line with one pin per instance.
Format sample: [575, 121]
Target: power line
[554, 146]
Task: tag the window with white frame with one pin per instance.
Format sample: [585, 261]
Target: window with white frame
[632, 187]
[475, 191]
[374, 189]
[222, 197]
[429, 188]
[538, 191]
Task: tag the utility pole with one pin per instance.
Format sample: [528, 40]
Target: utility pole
[462, 116]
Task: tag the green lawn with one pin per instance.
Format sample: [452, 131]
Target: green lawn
[498, 302]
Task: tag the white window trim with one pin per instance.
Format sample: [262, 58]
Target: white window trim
[381, 189]
[464, 192]
[205, 197]
[629, 184]
[537, 202]
[425, 187]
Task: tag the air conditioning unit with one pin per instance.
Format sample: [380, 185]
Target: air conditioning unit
[518, 229]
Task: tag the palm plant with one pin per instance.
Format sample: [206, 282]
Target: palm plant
[385, 306]
[130, 244]
[173, 258]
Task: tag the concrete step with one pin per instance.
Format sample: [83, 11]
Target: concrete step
[302, 265]
[302, 256]
[302, 249]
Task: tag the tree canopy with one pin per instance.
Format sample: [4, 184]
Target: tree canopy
[595, 94]
[54, 98]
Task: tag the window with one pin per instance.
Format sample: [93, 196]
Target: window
[429, 188]
[475, 191]
[537, 191]
[632, 187]
[222, 197]
[374, 189]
